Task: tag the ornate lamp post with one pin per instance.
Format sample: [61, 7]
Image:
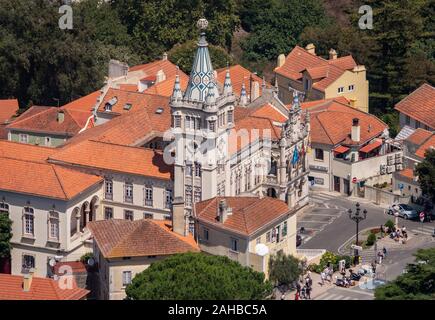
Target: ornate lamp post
[396, 214]
[357, 217]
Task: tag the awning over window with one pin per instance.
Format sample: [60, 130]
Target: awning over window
[341, 149]
[371, 146]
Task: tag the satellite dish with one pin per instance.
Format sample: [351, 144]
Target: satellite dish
[261, 249]
[52, 262]
[91, 262]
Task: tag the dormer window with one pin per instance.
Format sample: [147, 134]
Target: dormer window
[127, 106]
[109, 105]
[307, 84]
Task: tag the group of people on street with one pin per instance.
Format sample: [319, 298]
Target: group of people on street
[380, 257]
[304, 288]
[326, 275]
[399, 233]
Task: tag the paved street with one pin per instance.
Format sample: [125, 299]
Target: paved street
[337, 293]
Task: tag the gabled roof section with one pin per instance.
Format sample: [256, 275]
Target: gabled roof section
[8, 109]
[151, 69]
[26, 152]
[140, 238]
[419, 136]
[420, 105]
[249, 214]
[428, 144]
[166, 87]
[86, 103]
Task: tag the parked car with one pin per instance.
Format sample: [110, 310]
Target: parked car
[405, 211]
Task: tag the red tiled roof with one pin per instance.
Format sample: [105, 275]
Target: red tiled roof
[341, 149]
[420, 105]
[26, 152]
[140, 238]
[11, 288]
[113, 157]
[166, 87]
[407, 173]
[151, 69]
[371, 146]
[240, 75]
[249, 214]
[331, 122]
[128, 87]
[8, 108]
[419, 136]
[299, 60]
[76, 267]
[86, 103]
[430, 143]
[42, 179]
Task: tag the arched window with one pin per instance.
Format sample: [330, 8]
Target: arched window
[53, 225]
[29, 221]
[73, 222]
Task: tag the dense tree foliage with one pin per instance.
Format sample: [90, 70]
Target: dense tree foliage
[284, 269]
[418, 283]
[5, 235]
[197, 276]
[183, 55]
[425, 171]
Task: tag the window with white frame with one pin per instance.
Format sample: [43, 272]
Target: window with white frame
[230, 116]
[126, 278]
[24, 138]
[340, 89]
[108, 213]
[47, 141]
[188, 122]
[189, 170]
[168, 198]
[351, 87]
[212, 125]
[28, 262]
[284, 229]
[177, 121]
[108, 189]
[29, 221]
[234, 244]
[148, 215]
[128, 215]
[197, 123]
[197, 169]
[53, 225]
[149, 196]
[4, 208]
[128, 192]
[206, 234]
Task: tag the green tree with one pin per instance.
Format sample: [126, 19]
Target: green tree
[425, 171]
[183, 54]
[5, 236]
[418, 283]
[284, 269]
[197, 276]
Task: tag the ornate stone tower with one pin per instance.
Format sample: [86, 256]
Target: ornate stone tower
[201, 119]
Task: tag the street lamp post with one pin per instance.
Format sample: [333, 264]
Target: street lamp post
[396, 214]
[357, 217]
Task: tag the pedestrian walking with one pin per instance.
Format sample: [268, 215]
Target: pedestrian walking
[298, 288]
[373, 267]
[384, 250]
[308, 292]
[322, 277]
[380, 257]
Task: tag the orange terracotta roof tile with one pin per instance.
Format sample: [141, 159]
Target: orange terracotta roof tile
[11, 288]
[76, 267]
[8, 109]
[43, 179]
[240, 75]
[166, 87]
[419, 136]
[86, 103]
[128, 87]
[113, 157]
[331, 122]
[430, 143]
[140, 238]
[27, 152]
[151, 69]
[249, 214]
[299, 60]
[407, 173]
[420, 105]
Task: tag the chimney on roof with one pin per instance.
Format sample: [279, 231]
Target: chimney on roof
[332, 54]
[255, 90]
[311, 48]
[160, 76]
[356, 130]
[117, 69]
[165, 56]
[60, 116]
[27, 280]
[223, 211]
[178, 219]
[352, 102]
[281, 60]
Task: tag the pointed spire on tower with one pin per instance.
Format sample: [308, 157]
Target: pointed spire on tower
[176, 93]
[228, 86]
[211, 97]
[243, 95]
[295, 105]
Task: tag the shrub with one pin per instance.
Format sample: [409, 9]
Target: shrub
[371, 239]
[84, 258]
[346, 258]
[390, 224]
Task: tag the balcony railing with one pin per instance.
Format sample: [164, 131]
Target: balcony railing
[149, 202]
[108, 196]
[128, 199]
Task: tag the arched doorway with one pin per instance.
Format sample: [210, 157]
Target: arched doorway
[271, 192]
[73, 221]
[83, 215]
[93, 209]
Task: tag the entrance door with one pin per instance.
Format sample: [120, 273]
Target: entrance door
[337, 184]
[346, 186]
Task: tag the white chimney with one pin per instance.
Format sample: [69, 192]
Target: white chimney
[311, 48]
[255, 90]
[356, 130]
[281, 60]
[223, 212]
[60, 116]
[332, 54]
[165, 56]
[27, 280]
[160, 76]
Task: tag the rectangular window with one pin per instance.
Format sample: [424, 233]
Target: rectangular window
[126, 278]
[268, 238]
[28, 262]
[197, 123]
[108, 213]
[24, 138]
[148, 196]
[53, 225]
[206, 234]
[319, 154]
[407, 120]
[417, 124]
[128, 215]
[177, 121]
[212, 126]
[351, 87]
[284, 229]
[47, 141]
[307, 84]
[148, 216]
[128, 192]
[197, 169]
[4, 208]
[189, 170]
[168, 199]
[340, 89]
[29, 224]
[108, 189]
[187, 122]
[230, 116]
[234, 244]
